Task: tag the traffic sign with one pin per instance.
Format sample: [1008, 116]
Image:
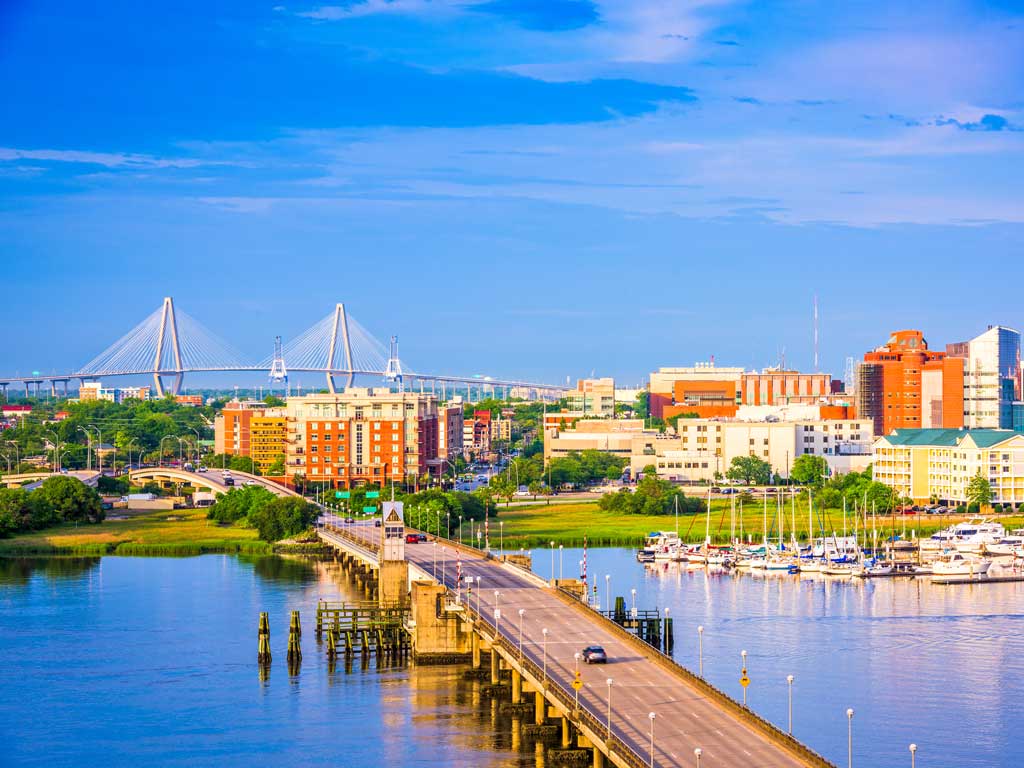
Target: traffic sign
[371, 508]
[342, 494]
[577, 683]
[373, 494]
[744, 681]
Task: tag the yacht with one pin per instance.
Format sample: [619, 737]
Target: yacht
[956, 563]
[1011, 545]
[969, 536]
[660, 545]
[872, 568]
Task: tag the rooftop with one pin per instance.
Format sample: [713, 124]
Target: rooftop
[983, 438]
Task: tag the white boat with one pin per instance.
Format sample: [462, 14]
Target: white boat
[776, 563]
[1010, 545]
[812, 566]
[843, 570]
[873, 568]
[956, 563]
[661, 546]
[969, 536]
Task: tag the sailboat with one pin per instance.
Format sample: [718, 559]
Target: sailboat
[811, 564]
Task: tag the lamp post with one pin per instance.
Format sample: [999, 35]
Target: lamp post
[448, 525]
[56, 449]
[544, 635]
[552, 561]
[88, 447]
[17, 452]
[165, 437]
[849, 738]
[522, 612]
[608, 592]
[478, 594]
[576, 657]
[609, 682]
[561, 548]
[198, 438]
[789, 681]
[632, 609]
[697, 753]
[700, 649]
[501, 535]
[913, 753]
[651, 715]
[460, 529]
[99, 442]
[744, 674]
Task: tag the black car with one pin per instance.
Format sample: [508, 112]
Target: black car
[421, 537]
[350, 519]
[376, 523]
[594, 654]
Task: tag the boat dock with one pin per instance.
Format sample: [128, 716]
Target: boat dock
[976, 579]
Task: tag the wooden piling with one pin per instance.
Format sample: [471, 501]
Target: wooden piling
[332, 645]
[294, 646]
[263, 655]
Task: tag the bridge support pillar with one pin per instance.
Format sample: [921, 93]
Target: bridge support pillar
[566, 733]
[598, 758]
[392, 581]
[540, 706]
[495, 667]
[437, 635]
[475, 649]
[517, 686]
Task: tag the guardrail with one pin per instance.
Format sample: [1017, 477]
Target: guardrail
[350, 540]
[745, 714]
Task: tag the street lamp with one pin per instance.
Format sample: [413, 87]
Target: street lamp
[609, 683]
[522, 612]
[552, 561]
[632, 609]
[501, 535]
[17, 452]
[561, 547]
[651, 715]
[700, 649]
[544, 633]
[56, 449]
[165, 437]
[697, 753]
[608, 592]
[789, 680]
[99, 442]
[744, 675]
[477, 594]
[913, 753]
[849, 738]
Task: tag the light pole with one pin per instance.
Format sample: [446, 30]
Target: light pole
[576, 657]
[17, 452]
[608, 592]
[88, 447]
[198, 438]
[56, 449]
[789, 680]
[522, 612]
[544, 635]
[632, 609]
[478, 594]
[700, 649]
[552, 561]
[165, 437]
[609, 683]
[913, 753]
[697, 753]
[460, 529]
[651, 715]
[561, 548]
[501, 535]
[849, 738]
[744, 676]
[448, 525]
[99, 442]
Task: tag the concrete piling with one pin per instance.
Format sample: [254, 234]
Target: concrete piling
[263, 655]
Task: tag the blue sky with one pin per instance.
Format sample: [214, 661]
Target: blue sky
[527, 188]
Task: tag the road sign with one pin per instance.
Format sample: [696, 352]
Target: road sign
[744, 681]
[371, 508]
[577, 683]
[342, 494]
[373, 494]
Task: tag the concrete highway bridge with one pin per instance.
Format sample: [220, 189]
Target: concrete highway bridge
[608, 709]
[211, 480]
[33, 480]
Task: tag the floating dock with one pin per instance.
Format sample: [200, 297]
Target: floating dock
[986, 579]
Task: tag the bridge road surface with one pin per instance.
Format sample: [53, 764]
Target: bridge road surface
[686, 718]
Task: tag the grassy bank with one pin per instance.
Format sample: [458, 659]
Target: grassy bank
[181, 532]
[566, 524]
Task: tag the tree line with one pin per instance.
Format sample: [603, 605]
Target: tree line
[57, 500]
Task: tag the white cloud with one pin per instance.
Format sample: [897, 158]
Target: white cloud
[106, 159]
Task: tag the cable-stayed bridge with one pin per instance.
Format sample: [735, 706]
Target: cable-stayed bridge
[170, 343]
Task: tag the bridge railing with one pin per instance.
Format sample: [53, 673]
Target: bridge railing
[720, 697]
[366, 545]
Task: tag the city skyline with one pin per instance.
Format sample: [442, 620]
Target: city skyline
[633, 185]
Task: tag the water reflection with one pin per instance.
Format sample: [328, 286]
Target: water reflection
[282, 569]
[19, 570]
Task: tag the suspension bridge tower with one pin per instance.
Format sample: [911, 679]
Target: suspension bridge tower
[168, 351]
[278, 369]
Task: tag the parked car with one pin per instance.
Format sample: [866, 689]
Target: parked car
[594, 654]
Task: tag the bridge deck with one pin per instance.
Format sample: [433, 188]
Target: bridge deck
[687, 717]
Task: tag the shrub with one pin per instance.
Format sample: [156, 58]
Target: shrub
[973, 508]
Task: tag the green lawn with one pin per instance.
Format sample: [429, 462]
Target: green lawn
[164, 532]
[568, 523]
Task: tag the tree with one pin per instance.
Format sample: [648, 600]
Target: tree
[979, 490]
[239, 503]
[750, 470]
[274, 401]
[283, 517]
[277, 468]
[810, 470]
[502, 488]
[71, 499]
[642, 405]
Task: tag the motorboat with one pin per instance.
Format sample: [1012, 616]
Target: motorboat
[659, 545]
[811, 565]
[843, 570]
[873, 568]
[776, 563]
[1011, 545]
[956, 563]
[969, 536]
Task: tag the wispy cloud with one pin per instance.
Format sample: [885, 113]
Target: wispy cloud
[105, 159]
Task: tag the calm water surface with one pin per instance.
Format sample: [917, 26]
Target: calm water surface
[149, 661]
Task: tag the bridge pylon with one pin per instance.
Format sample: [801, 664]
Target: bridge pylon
[339, 325]
[168, 325]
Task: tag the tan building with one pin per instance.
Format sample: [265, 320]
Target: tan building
[608, 435]
[593, 397]
[450, 433]
[362, 436]
[91, 391]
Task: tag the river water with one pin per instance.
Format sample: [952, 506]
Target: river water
[151, 661]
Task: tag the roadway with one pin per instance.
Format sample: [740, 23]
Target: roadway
[686, 717]
[212, 480]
